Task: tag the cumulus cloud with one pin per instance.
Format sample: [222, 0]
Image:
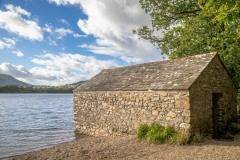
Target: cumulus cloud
[111, 23]
[67, 68]
[17, 9]
[59, 69]
[18, 53]
[19, 71]
[75, 62]
[6, 43]
[13, 21]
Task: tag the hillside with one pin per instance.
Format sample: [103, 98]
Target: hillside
[8, 84]
[9, 80]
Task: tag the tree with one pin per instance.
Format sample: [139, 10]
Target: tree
[193, 27]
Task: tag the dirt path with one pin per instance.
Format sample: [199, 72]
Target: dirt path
[130, 148]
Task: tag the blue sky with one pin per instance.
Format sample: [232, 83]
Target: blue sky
[55, 42]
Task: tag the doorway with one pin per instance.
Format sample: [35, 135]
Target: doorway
[218, 114]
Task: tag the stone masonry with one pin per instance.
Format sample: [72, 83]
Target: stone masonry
[117, 113]
[214, 79]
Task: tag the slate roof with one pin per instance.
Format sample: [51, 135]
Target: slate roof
[162, 75]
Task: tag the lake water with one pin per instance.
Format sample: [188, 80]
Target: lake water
[32, 121]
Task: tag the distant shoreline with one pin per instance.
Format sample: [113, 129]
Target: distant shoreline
[68, 88]
[37, 89]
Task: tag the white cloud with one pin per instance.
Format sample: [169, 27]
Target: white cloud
[111, 23]
[65, 2]
[10, 41]
[59, 69]
[107, 50]
[51, 41]
[19, 72]
[12, 21]
[62, 32]
[85, 64]
[67, 68]
[56, 34]
[48, 29]
[6, 43]
[78, 35]
[18, 53]
[17, 9]
[64, 21]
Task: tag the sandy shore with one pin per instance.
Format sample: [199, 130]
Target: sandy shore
[129, 148]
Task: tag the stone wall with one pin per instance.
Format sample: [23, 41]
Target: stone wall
[121, 112]
[214, 79]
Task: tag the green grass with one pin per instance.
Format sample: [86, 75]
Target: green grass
[158, 134]
[142, 131]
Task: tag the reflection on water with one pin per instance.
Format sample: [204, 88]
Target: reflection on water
[32, 121]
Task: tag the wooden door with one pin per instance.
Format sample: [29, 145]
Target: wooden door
[217, 116]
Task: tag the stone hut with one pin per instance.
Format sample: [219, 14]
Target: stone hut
[194, 94]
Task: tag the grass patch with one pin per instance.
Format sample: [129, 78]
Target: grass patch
[142, 131]
[158, 134]
[179, 138]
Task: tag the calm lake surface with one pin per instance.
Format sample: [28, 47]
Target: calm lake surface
[32, 121]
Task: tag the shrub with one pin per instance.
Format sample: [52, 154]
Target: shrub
[155, 134]
[158, 134]
[142, 131]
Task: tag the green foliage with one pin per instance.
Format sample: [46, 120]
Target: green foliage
[142, 131]
[193, 27]
[158, 134]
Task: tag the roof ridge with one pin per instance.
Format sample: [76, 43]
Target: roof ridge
[169, 74]
[164, 61]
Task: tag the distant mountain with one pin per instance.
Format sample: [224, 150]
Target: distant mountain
[9, 80]
[8, 84]
[77, 83]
